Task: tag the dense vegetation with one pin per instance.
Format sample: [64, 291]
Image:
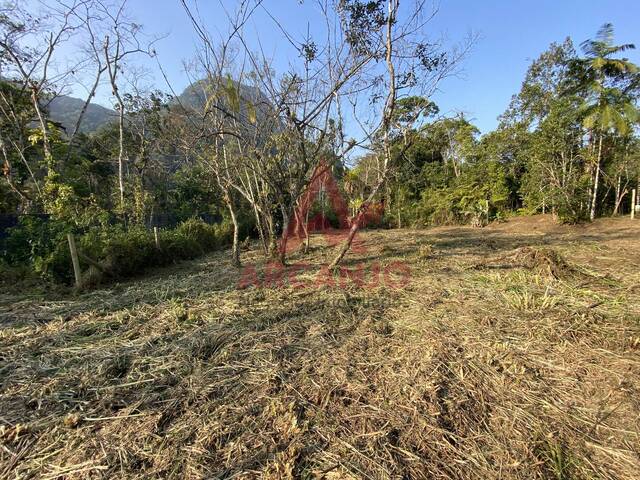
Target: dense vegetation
[567, 144]
[240, 148]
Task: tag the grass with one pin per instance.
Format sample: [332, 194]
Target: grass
[482, 366]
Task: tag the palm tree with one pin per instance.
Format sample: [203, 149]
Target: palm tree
[608, 108]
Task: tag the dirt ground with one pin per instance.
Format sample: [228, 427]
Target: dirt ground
[511, 351]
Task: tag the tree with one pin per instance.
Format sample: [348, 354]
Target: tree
[19, 159]
[608, 82]
[554, 178]
[458, 138]
[31, 58]
[121, 40]
[409, 70]
[531, 144]
[270, 142]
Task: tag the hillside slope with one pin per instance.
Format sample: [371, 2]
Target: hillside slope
[66, 110]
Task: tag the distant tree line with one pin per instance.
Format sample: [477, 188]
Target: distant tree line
[567, 145]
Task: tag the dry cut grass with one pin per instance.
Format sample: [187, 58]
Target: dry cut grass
[512, 353]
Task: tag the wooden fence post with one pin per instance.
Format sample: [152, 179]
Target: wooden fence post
[74, 259]
[633, 204]
[155, 234]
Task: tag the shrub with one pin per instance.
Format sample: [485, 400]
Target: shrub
[118, 252]
[33, 242]
[16, 275]
[175, 245]
[59, 264]
[224, 233]
[205, 235]
[124, 252]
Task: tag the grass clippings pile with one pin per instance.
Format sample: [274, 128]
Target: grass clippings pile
[542, 260]
[464, 373]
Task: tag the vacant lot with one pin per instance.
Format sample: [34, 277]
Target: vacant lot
[511, 351]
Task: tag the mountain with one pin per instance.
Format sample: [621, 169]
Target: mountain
[252, 102]
[66, 110]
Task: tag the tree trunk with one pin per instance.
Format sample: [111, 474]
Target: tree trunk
[355, 225]
[48, 157]
[592, 150]
[84, 109]
[619, 195]
[387, 116]
[347, 243]
[112, 68]
[399, 210]
[301, 229]
[596, 181]
[307, 238]
[260, 227]
[272, 250]
[235, 248]
[619, 202]
[282, 253]
[121, 157]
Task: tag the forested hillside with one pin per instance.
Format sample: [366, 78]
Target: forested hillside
[66, 110]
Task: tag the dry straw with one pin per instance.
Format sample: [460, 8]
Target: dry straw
[516, 372]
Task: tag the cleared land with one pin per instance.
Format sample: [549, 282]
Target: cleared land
[513, 352]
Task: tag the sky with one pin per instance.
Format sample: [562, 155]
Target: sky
[511, 34]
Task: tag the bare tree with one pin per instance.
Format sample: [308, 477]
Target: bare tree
[298, 107]
[35, 69]
[396, 94]
[34, 66]
[121, 40]
[269, 130]
[43, 72]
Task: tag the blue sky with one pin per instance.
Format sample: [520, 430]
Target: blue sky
[511, 34]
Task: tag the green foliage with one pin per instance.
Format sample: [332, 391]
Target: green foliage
[121, 252]
[466, 197]
[553, 178]
[325, 209]
[606, 83]
[128, 252]
[14, 276]
[192, 193]
[33, 243]
[569, 107]
[447, 176]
